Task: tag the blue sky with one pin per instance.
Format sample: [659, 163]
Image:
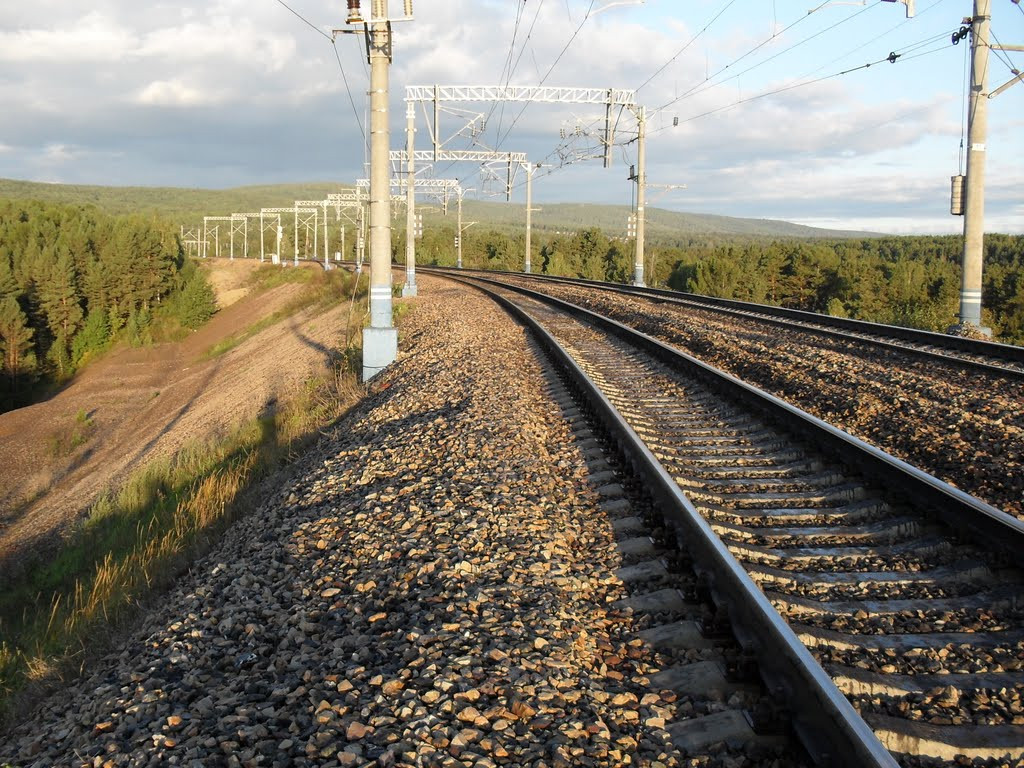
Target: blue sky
[226, 92]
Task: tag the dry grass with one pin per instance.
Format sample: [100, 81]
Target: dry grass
[136, 540]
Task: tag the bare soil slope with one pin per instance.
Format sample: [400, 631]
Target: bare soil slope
[146, 403]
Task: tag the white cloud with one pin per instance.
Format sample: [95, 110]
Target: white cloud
[56, 154]
[173, 93]
[91, 38]
[257, 97]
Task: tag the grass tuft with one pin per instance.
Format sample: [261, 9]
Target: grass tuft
[64, 442]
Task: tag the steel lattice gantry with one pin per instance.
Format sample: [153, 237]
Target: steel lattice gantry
[538, 93]
[440, 189]
[240, 223]
[609, 97]
[296, 211]
[216, 234]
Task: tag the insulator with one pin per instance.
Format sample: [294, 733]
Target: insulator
[956, 199]
[354, 14]
[561, 133]
[408, 7]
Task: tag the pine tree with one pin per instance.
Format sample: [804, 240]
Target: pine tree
[15, 337]
[198, 302]
[59, 299]
[93, 337]
[8, 285]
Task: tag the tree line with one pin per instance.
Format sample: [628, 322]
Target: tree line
[911, 281]
[73, 280]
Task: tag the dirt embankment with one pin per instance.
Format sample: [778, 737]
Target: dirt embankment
[146, 403]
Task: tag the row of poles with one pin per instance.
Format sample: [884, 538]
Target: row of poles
[306, 215]
[380, 337]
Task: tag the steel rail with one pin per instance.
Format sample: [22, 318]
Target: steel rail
[848, 329]
[824, 721]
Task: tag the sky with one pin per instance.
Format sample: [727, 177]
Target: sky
[778, 116]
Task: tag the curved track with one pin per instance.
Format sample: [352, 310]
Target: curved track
[905, 591]
[971, 354]
[964, 426]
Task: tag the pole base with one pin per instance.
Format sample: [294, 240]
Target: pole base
[970, 331]
[380, 349]
[409, 289]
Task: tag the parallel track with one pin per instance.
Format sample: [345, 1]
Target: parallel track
[907, 600]
[972, 354]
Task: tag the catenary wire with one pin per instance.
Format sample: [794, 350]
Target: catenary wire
[348, 90]
[963, 117]
[337, 56]
[874, 39]
[706, 86]
[305, 21]
[689, 42]
[736, 61]
[548, 73]
[793, 86]
[1001, 53]
[506, 69]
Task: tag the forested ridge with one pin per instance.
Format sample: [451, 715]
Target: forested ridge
[912, 281]
[73, 280]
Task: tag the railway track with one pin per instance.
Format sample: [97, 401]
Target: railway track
[969, 353]
[965, 426]
[880, 607]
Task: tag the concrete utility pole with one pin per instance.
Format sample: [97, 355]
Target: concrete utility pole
[977, 130]
[409, 289]
[380, 338]
[458, 234]
[641, 183]
[529, 211]
[361, 240]
[460, 227]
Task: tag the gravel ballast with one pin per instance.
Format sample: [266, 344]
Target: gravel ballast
[432, 587]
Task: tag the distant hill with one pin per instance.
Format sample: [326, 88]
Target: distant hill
[661, 223]
[179, 203]
[188, 206]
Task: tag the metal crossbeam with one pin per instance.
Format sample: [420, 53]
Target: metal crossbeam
[424, 185]
[348, 196]
[460, 155]
[351, 199]
[538, 93]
